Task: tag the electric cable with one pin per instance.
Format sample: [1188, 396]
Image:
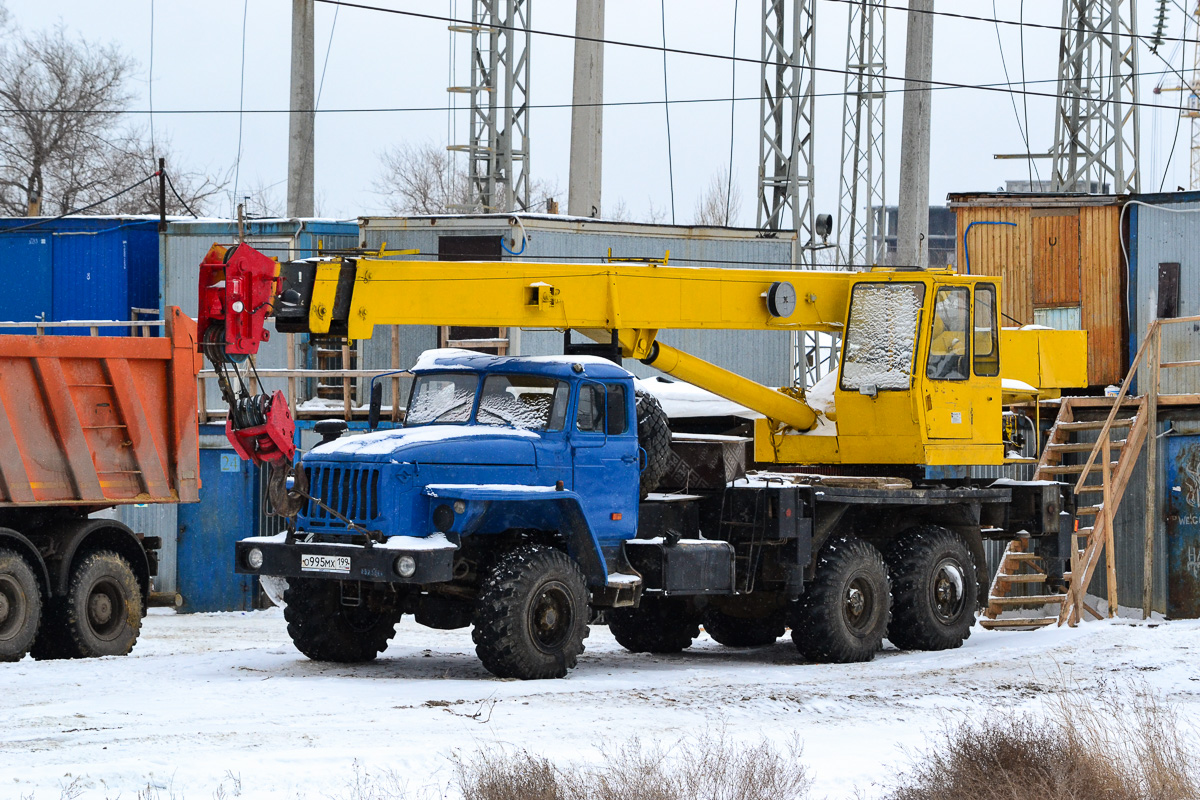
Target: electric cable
[150, 86]
[182, 202]
[237, 164]
[732, 115]
[1025, 99]
[81, 209]
[1178, 117]
[1013, 99]
[667, 109]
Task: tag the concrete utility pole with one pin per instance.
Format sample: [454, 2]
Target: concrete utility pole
[912, 240]
[302, 118]
[587, 115]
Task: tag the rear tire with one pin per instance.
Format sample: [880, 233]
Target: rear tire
[20, 606]
[103, 610]
[738, 632]
[654, 437]
[324, 629]
[657, 625]
[934, 589]
[54, 640]
[843, 615]
[532, 615]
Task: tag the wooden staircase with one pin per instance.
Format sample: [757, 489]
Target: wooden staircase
[1096, 501]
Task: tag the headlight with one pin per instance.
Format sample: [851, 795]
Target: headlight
[459, 506]
[406, 566]
[254, 558]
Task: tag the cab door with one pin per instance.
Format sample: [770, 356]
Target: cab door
[947, 384]
[604, 450]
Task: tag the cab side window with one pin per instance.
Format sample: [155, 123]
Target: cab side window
[986, 339]
[600, 404]
[948, 355]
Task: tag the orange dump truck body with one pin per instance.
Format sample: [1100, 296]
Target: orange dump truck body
[94, 422]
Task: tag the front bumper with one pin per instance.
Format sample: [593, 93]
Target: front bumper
[376, 564]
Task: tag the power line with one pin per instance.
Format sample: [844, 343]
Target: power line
[667, 109]
[1000, 86]
[237, 164]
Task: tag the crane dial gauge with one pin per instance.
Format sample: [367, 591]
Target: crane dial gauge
[781, 299]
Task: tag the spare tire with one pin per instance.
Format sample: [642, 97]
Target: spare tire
[654, 437]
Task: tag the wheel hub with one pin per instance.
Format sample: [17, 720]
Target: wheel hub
[4, 608]
[12, 605]
[100, 608]
[551, 620]
[855, 601]
[948, 590]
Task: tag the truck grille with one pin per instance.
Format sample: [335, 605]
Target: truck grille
[351, 491]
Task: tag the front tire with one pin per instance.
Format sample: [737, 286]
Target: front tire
[324, 629]
[532, 615]
[20, 606]
[657, 625]
[934, 589]
[843, 616]
[103, 609]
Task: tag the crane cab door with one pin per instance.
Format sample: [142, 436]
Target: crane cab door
[605, 456]
[949, 393]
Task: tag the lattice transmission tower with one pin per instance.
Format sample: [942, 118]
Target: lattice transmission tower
[498, 146]
[1190, 107]
[861, 192]
[785, 152]
[1096, 127]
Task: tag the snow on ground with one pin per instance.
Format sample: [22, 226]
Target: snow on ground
[210, 694]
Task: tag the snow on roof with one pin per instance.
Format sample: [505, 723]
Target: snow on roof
[452, 358]
[683, 400]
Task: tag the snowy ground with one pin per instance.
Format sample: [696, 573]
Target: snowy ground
[207, 698]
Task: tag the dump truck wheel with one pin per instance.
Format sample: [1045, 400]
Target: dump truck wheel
[532, 615]
[934, 589]
[657, 625]
[738, 632]
[103, 606]
[843, 615]
[54, 640]
[20, 606]
[654, 436]
[325, 629]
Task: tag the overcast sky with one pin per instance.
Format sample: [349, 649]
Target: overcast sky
[387, 60]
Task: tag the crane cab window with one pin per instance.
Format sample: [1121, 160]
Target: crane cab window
[594, 410]
[948, 340]
[986, 339]
[881, 336]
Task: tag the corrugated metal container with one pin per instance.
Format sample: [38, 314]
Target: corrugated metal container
[1164, 280]
[183, 246]
[1060, 258]
[763, 356]
[78, 268]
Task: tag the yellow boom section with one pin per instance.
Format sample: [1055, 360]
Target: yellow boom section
[921, 372]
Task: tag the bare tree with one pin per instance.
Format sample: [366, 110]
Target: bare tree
[720, 203]
[62, 144]
[421, 179]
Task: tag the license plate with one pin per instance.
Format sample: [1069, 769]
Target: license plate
[315, 563]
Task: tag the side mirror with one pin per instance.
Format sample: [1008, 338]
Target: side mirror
[376, 406]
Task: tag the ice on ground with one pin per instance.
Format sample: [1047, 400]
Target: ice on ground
[204, 695]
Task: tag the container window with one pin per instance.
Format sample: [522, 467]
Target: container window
[948, 339]
[987, 350]
[881, 335]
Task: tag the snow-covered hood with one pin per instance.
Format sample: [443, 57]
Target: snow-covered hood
[434, 444]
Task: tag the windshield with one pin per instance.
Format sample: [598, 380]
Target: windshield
[441, 397]
[881, 335]
[523, 401]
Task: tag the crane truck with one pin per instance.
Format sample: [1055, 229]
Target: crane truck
[519, 496]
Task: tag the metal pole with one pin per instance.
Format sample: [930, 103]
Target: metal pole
[587, 114]
[302, 119]
[162, 195]
[913, 223]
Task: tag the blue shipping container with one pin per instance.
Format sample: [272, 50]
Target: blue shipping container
[78, 268]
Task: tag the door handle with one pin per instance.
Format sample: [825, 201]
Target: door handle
[629, 459]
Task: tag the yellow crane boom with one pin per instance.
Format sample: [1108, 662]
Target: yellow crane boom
[921, 379]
